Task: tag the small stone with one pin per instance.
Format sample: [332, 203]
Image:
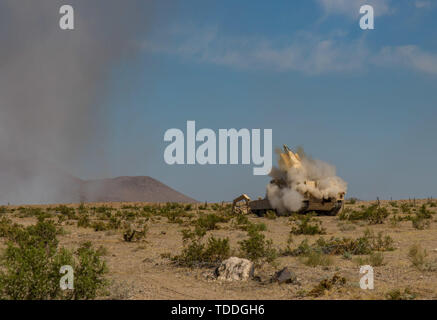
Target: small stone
[284, 276]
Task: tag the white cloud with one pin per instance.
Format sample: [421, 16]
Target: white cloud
[422, 4]
[305, 52]
[351, 8]
[409, 56]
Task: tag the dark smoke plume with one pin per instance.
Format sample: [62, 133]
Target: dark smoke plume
[52, 83]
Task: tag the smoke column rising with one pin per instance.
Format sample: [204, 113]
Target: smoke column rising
[51, 83]
[290, 197]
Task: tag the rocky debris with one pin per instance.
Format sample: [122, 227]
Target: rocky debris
[235, 269]
[284, 276]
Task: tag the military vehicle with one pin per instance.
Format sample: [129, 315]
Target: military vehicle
[288, 159]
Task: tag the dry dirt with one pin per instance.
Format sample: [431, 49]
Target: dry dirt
[138, 270]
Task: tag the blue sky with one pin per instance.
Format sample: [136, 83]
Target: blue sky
[364, 101]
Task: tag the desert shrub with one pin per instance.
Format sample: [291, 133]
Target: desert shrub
[150, 209]
[8, 229]
[419, 222]
[374, 214]
[327, 284]
[241, 220]
[114, 223]
[130, 207]
[33, 212]
[346, 226]
[420, 219]
[103, 209]
[348, 214]
[306, 224]
[394, 220]
[174, 216]
[432, 204]
[394, 204]
[271, 215]
[67, 211]
[82, 208]
[3, 209]
[61, 219]
[352, 201]
[204, 206]
[215, 206]
[83, 220]
[256, 227]
[317, 258]
[217, 249]
[188, 207]
[131, 234]
[347, 256]
[375, 259]
[379, 242]
[424, 212]
[89, 270]
[304, 248]
[405, 207]
[398, 294]
[127, 215]
[417, 256]
[99, 226]
[257, 248]
[209, 221]
[339, 246]
[31, 262]
[197, 253]
[5, 225]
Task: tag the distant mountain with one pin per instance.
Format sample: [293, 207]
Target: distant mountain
[30, 183]
[122, 189]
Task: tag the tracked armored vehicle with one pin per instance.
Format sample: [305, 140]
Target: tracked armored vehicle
[288, 159]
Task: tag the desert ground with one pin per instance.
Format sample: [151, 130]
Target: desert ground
[144, 267]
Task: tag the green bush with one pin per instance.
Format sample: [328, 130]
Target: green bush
[394, 204]
[196, 253]
[257, 248]
[417, 256]
[209, 221]
[89, 270]
[352, 201]
[31, 262]
[83, 220]
[67, 211]
[363, 245]
[241, 221]
[374, 214]
[306, 224]
[420, 219]
[99, 226]
[398, 294]
[316, 258]
[271, 215]
[375, 259]
[131, 234]
[405, 207]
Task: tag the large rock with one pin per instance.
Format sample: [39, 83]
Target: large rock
[235, 269]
